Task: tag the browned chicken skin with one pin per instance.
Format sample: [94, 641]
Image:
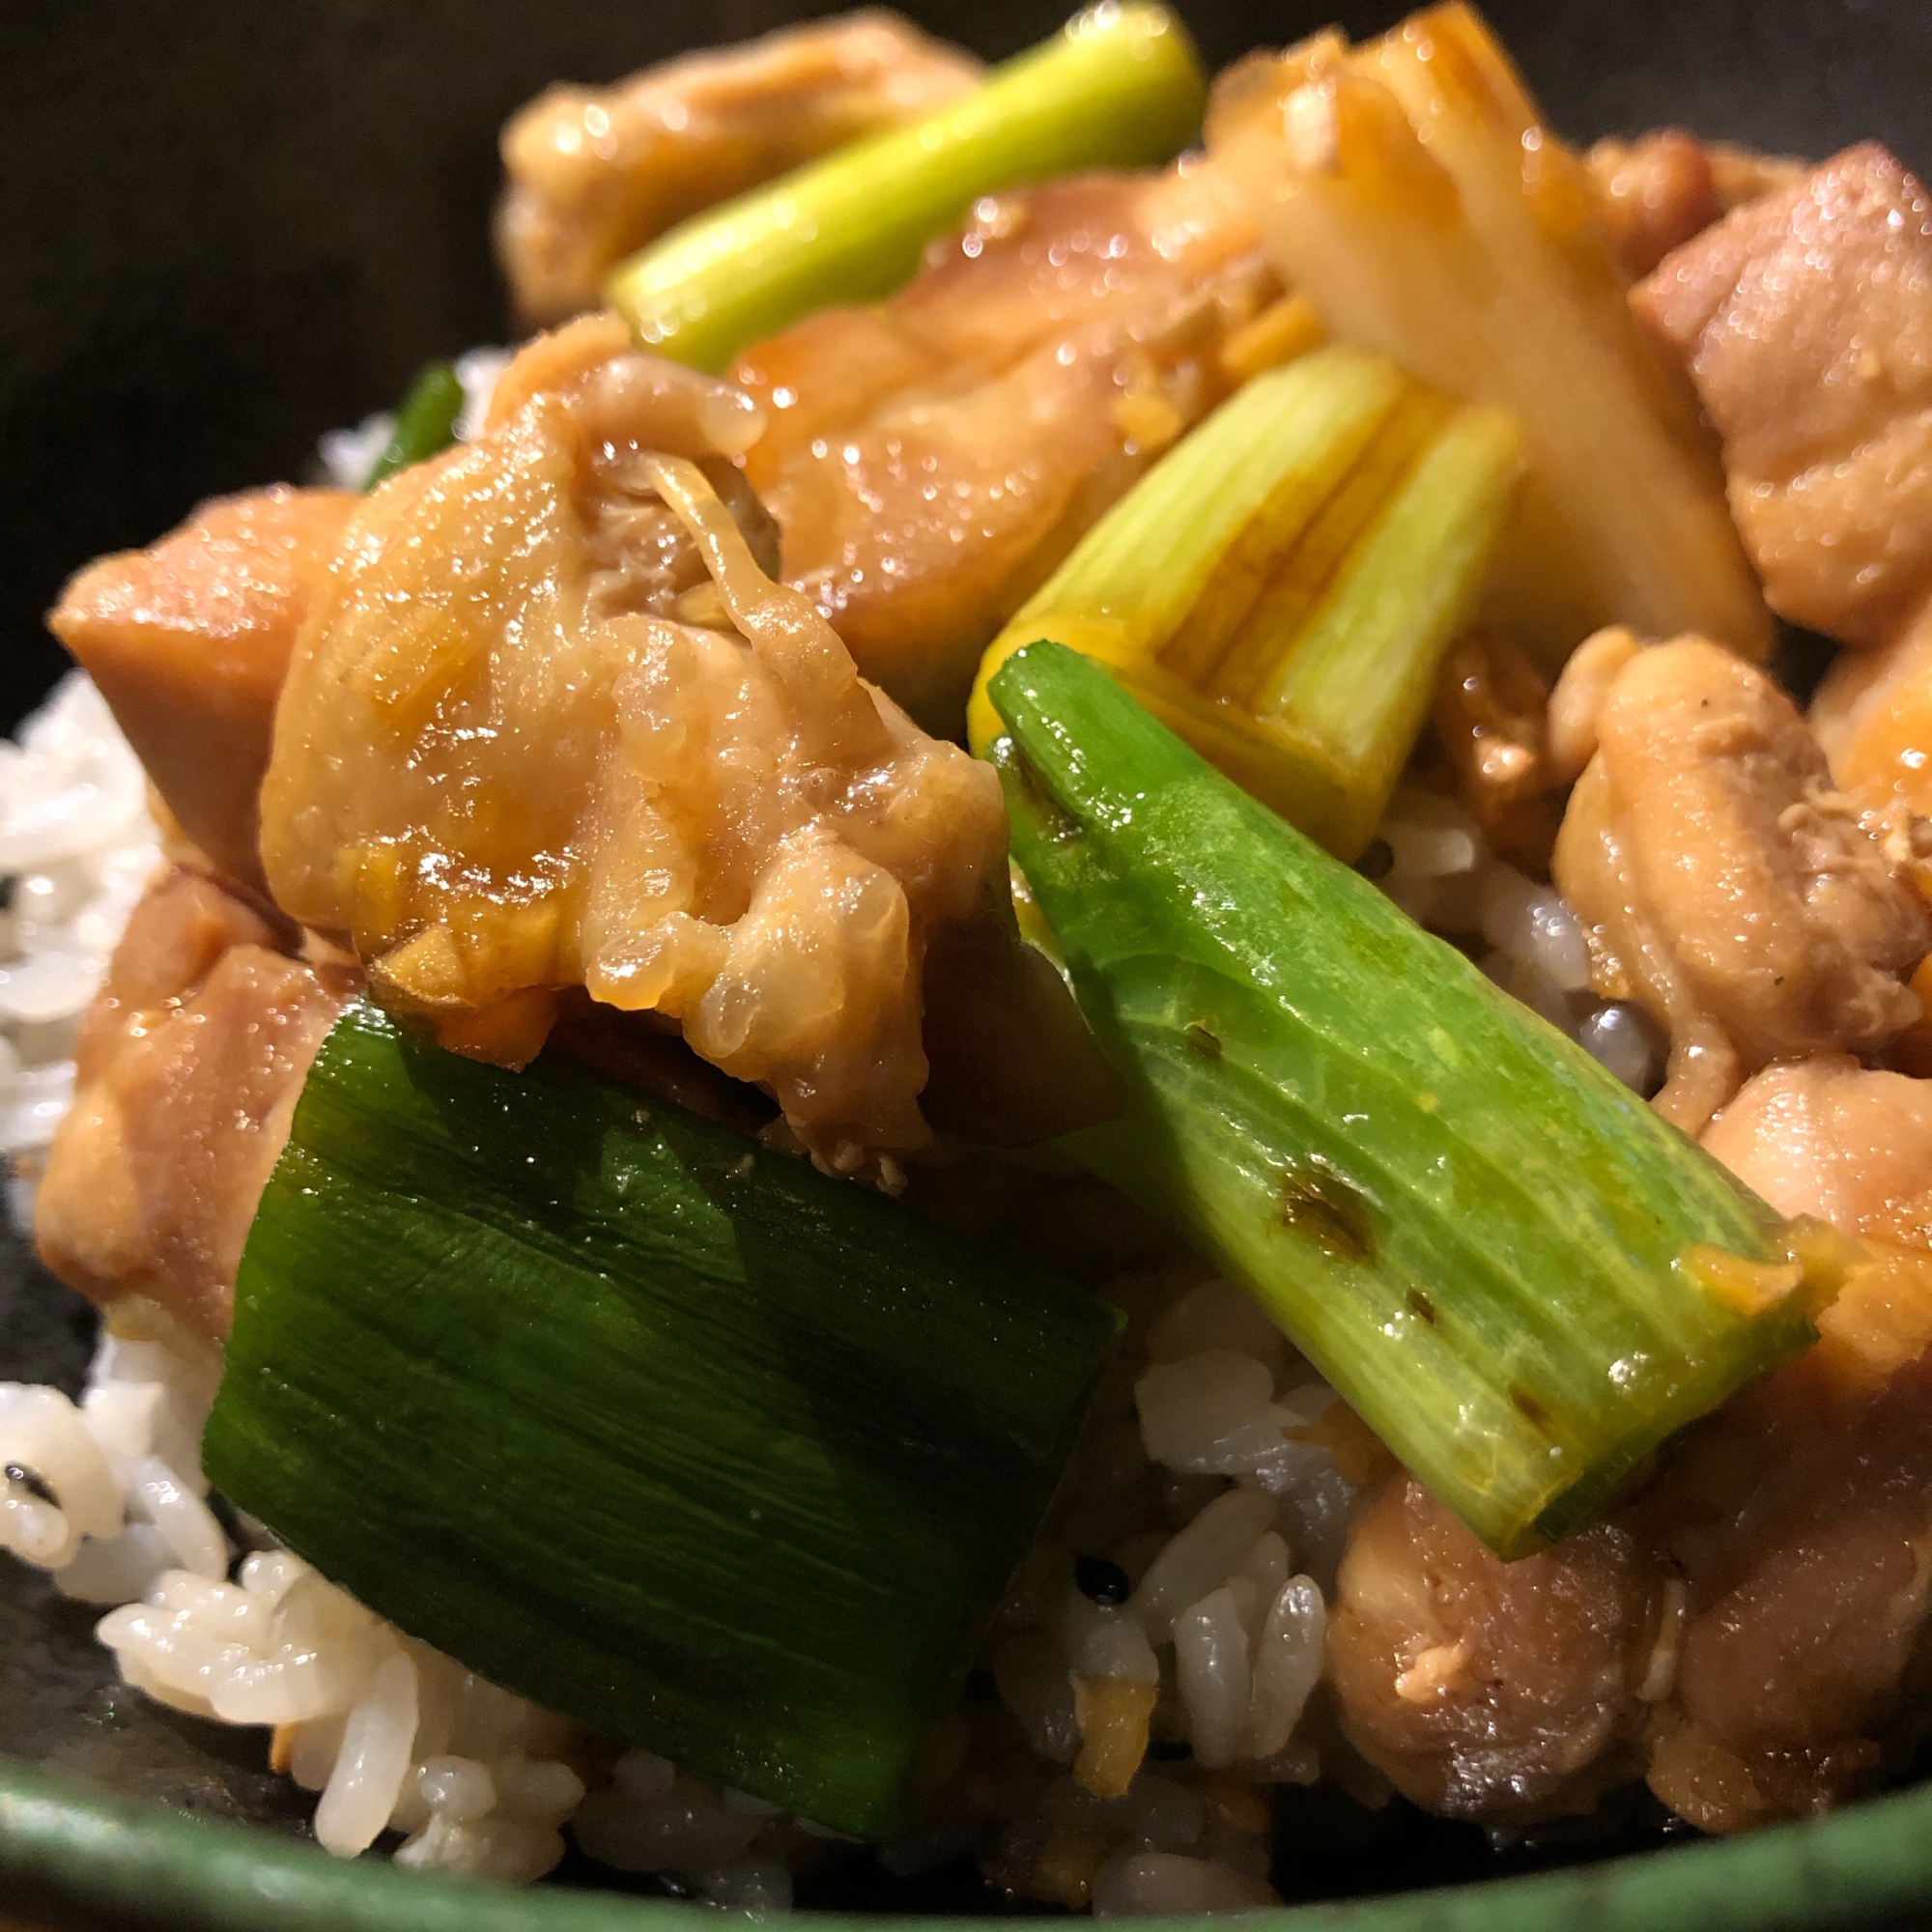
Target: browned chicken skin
[597, 172]
[189, 1063]
[1744, 1635]
[1720, 879]
[188, 641]
[931, 458]
[1805, 321]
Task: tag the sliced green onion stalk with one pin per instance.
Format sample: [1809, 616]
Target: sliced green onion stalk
[649, 1424]
[425, 425]
[1520, 1275]
[1120, 87]
[1281, 588]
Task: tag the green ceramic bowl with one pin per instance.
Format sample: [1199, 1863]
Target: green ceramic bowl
[226, 227]
[69, 1858]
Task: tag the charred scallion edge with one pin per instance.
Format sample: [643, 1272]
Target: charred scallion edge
[425, 425]
[654, 1426]
[1520, 1276]
[1281, 588]
[1120, 87]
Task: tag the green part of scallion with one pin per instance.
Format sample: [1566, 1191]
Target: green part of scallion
[1118, 87]
[425, 425]
[661, 1429]
[1518, 1274]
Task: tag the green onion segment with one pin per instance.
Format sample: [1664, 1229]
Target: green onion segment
[1506, 1262]
[1281, 588]
[1118, 87]
[654, 1426]
[425, 425]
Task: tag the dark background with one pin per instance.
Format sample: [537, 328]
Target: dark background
[226, 225]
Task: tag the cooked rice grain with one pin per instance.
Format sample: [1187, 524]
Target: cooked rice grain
[77, 848]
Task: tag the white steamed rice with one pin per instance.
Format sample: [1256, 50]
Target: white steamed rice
[77, 848]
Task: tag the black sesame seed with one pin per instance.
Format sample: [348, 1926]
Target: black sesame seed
[1103, 1580]
[33, 1482]
[1377, 860]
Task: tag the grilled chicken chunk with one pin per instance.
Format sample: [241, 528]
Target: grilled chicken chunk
[1499, 1691]
[188, 641]
[1799, 1518]
[1805, 321]
[1874, 718]
[931, 458]
[597, 172]
[551, 724]
[1723, 882]
[1796, 1523]
[1666, 186]
[1829, 1137]
[1743, 1635]
[189, 1066]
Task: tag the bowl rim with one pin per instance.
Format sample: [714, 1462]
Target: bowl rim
[64, 1845]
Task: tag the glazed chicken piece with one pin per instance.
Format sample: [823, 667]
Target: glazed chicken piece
[188, 641]
[597, 172]
[1721, 880]
[1799, 1518]
[189, 1061]
[1798, 1526]
[931, 458]
[1805, 321]
[552, 725]
[1739, 1638]
[1874, 718]
[1666, 186]
[1743, 1635]
[1830, 1139]
[1499, 1692]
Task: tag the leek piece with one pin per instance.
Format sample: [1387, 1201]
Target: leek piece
[1408, 188]
[1360, 674]
[1118, 87]
[654, 1426]
[1282, 586]
[1520, 1275]
[425, 425]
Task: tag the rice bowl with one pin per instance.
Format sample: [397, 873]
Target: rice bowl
[1159, 1679]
